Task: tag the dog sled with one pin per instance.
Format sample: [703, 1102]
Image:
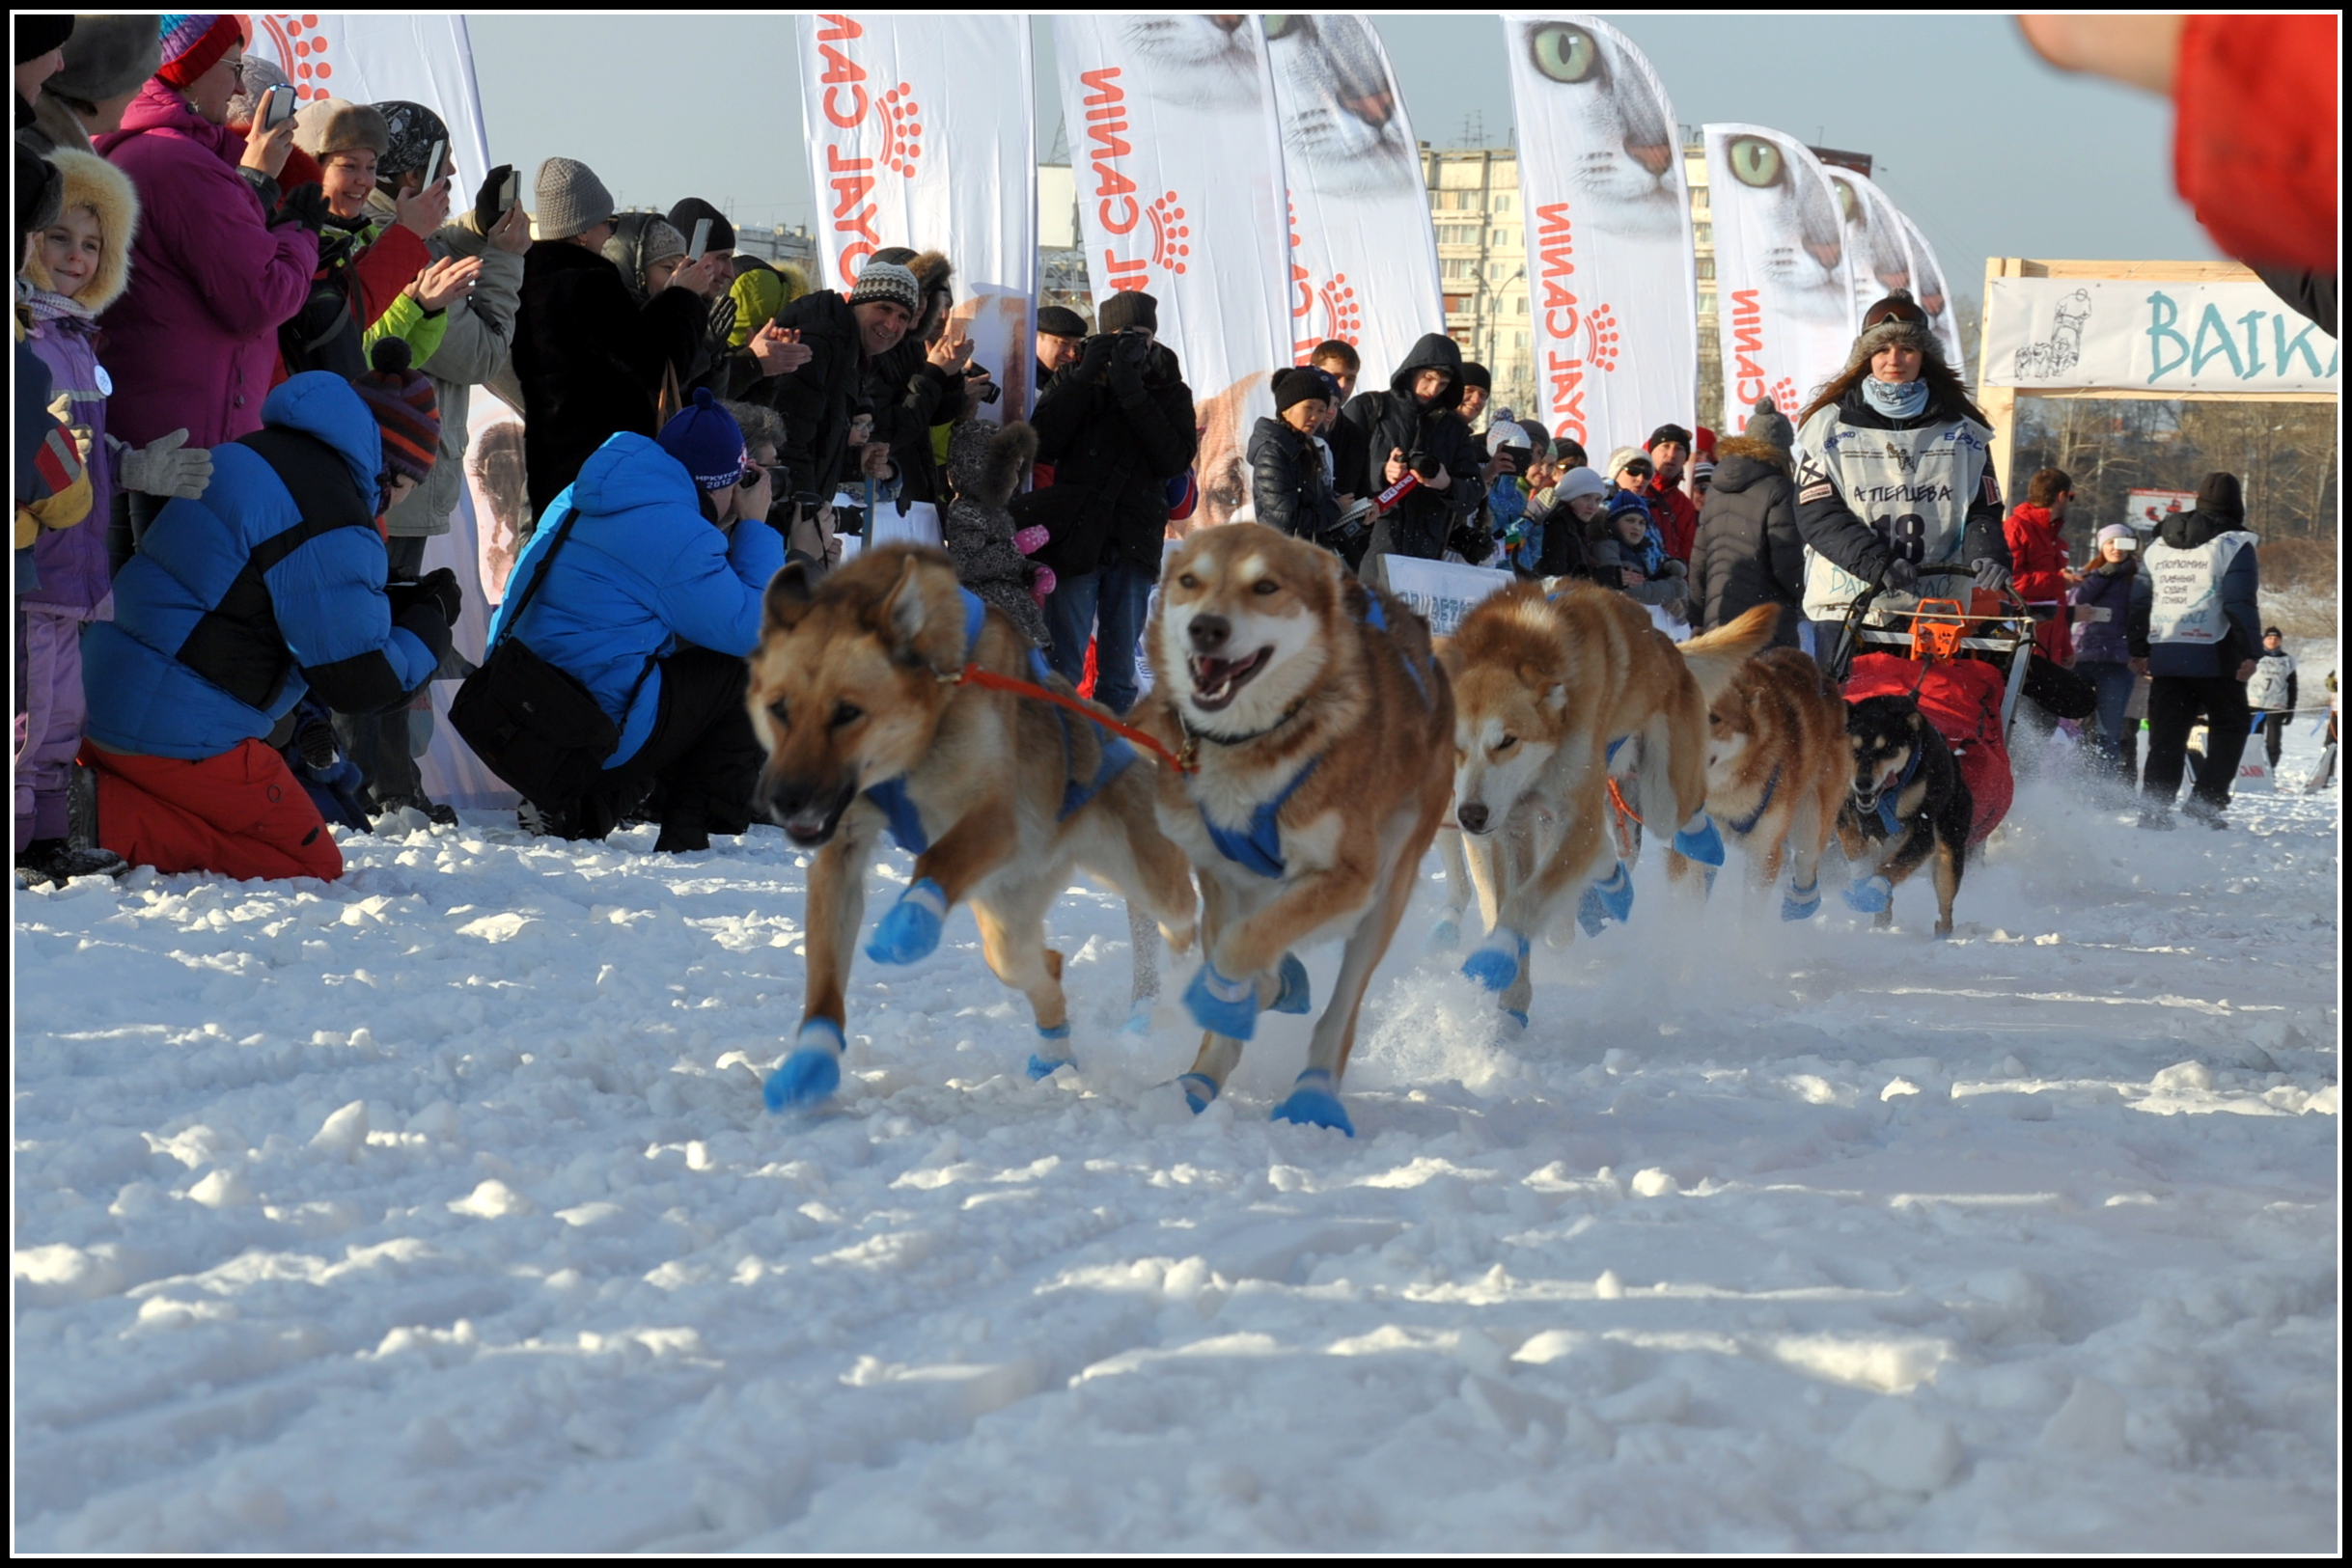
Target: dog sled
[1966, 660]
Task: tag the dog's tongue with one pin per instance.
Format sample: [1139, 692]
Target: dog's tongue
[1210, 673]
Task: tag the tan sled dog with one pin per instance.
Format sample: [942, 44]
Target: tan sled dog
[1318, 726]
[1777, 767]
[1547, 690]
[855, 692]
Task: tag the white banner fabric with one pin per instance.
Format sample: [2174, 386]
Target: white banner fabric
[1442, 590]
[2134, 335]
[919, 134]
[1178, 157]
[1934, 298]
[369, 57]
[1878, 250]
[1363, 249]
[1611, 285]
[1784, 303]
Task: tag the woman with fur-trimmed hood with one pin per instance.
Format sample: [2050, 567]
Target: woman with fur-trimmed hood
[1895, 473]
[987, 465]
[1748, 550]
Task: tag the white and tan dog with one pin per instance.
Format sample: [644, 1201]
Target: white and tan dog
[1316, 727]
[1551, 693]
[1777, 767]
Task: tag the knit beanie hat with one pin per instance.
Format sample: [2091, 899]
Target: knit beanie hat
[707, 443]
[1538, 439]
[107, 57]
[406, 414]
[191, 42]
[1768, 425]
[1627, 501]
[326, 126]
[1579, 481]
[411, 130]
[2112, 533]
[1665, 433]
[1619, 458]
[1298, 385]
[889, 283]
[39, 31]
[254, 79]
[1475, 374]
[1702, 442]
[693, 210]
[569, 199]
[1061, 321]
[1504, 432]
[1702, 469]
[1331, 384]
[1129, 307]
[2221, 496]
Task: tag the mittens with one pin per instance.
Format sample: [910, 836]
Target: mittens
[1031, 539]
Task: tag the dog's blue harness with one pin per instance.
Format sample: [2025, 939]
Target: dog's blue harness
[1887, 797]
[1260, 848]
[906, 822]
[1763, 806]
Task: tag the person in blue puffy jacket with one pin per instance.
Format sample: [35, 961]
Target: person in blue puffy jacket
[652, 602]
[238, 604]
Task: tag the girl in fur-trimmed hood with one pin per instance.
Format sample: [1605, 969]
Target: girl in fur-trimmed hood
[987, 465]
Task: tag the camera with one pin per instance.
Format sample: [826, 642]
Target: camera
[1421, 463]
[987, 393]
[1135, 343]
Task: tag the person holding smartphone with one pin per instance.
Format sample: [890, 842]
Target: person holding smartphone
[365, 286]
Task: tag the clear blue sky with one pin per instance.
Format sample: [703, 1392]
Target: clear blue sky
[1990, 152]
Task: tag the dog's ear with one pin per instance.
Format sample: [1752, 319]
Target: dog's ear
[787, 597]
[1449, 659]
[901, 615]
[1555, 697]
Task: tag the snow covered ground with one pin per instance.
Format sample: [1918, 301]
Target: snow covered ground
[435, 1210]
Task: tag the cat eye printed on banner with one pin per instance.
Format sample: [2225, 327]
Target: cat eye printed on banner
[1783, 299]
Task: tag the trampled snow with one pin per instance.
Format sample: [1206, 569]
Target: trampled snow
[435, 1209]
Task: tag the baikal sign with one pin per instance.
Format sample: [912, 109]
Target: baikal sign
[2137, 335]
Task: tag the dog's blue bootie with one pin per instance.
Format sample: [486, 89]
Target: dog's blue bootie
[1605, 901]
[1698, 840]
[1872, 895]
[1052, 1054]
[1446, 934]
[1498, 960]
[1801, 904]
[1138, 1024]
[813, 1071]
[911, 929]
[1297, 995]
[1198, 1090]
[1517, 1017]
[1313, 1104]
[1222, 1007]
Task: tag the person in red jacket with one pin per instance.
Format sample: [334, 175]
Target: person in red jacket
[2038, 569]
[1676, 513]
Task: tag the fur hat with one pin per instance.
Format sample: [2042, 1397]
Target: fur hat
[106, 57]
[89, 180]
[1767, 424]
[191, 42]
[1897, 319]
[1298, 385]
[988, 464]
[887, 282]
[693, 210]
[1127, 308]
[326, 126]
[707, 442]
[568, 199]
[1061, 321]
[407, 415]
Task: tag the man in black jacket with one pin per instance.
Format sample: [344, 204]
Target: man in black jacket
[1748, 550]
[1117, 426]
[844, 337]
[1414, 426]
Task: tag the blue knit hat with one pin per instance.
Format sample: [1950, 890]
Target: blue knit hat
[707, 440]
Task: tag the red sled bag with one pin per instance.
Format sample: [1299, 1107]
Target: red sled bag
[1961, 698]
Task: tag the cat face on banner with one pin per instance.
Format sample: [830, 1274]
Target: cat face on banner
[1200, 62]
[1625, 173]
[1773, 192]
[1930, 285]
[1874, 236]
[1342, 128]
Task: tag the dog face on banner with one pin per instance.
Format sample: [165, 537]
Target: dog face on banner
[1342, 128]
[1772, 187]
[1198, 61]
[1222, 466]
[1626, 170]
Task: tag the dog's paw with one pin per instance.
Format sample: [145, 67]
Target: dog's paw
[1872, 895]
[1222, 1007]
[911, 929]
[1200, 1090]
[1801, 904]
[1052, 1054]
[1446, 934]
[1516, 1024]
[1698, 840]
[812, 1073]
[1609, 900]
[1497, 963]
[1313, 1104]
[1296, 995]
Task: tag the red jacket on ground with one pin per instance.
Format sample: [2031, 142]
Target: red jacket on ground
[1676, 516]
[2037, 557]
[241, 815]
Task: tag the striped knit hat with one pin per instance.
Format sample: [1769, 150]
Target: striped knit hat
[406, 414]
[193, 42]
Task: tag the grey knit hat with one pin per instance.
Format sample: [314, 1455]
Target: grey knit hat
[569, 199]
[326, 126]
[106, 57]
[887, 280]
[1768, 425]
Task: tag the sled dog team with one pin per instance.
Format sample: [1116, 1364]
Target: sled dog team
[1310, 740]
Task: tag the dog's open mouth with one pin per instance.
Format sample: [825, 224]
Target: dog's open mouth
[1215, 682]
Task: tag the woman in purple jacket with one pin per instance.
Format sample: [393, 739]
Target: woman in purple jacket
[192, 342]
[2100, 655]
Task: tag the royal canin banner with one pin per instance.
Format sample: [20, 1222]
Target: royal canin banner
[1177, 159]
[1611, 281]
[919, 133]
[369, 57]
[1783, 302]
[1927, 286]
[1363, 250]
[1878, 250]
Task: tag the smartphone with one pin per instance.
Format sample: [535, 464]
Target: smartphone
[432, 164]
[701, 241]
[510, 191]
[278, 106]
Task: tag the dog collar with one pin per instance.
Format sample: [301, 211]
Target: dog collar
[1189, 757]
[1762, 807]
[1888, 796]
